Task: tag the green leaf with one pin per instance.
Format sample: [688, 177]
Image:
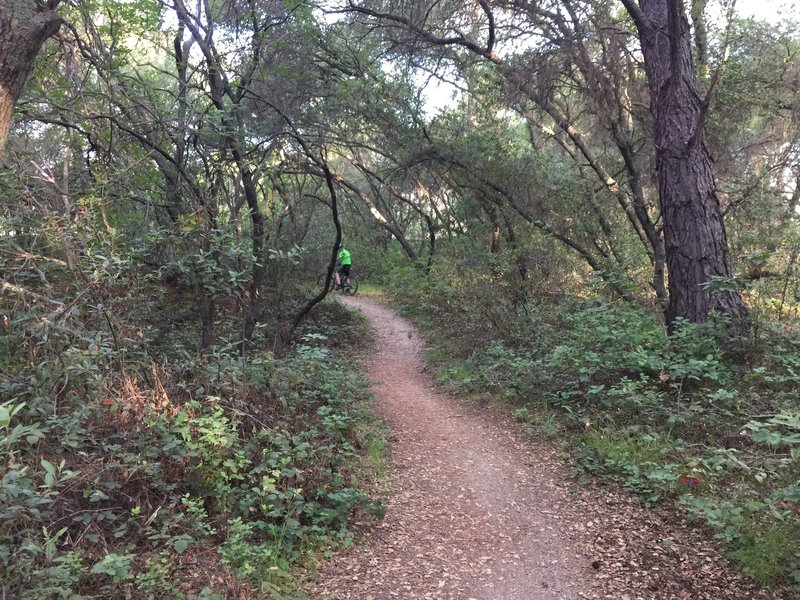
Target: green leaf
[51, 546]
[117, 566]
[49, 472]
[48, 467]
[34, 434]
[97, 496]
[180, 544]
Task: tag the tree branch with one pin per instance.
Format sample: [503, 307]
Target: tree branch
[5, 286]
[639, 18]
[458, 40]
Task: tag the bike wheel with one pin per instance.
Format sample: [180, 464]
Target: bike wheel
[321, 281]
[351, 286]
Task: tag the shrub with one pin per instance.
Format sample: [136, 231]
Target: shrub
[112, 483]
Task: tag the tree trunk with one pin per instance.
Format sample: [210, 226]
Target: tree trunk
[24, 27]
[694, 233]
[206, 308]
[258, 236]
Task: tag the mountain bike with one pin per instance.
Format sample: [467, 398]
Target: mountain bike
[349, 284]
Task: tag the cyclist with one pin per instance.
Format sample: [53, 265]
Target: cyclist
[343, 258]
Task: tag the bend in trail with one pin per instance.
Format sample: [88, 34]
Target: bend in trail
[477, 512]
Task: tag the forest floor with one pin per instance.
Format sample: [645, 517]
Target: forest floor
[478, 509]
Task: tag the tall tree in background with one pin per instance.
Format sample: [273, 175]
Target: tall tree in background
[695, 243]
[24, 27]
[694, 233]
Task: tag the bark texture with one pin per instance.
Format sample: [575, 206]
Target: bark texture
[24, 27]
[694, 232]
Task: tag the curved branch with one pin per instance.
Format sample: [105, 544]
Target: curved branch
[457, 40]
[487, 10]
[639, 18]
[335, 214]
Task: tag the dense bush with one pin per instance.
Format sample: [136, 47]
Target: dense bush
[126, 476]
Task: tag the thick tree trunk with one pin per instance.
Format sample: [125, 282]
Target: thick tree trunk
[694, 233]
[24, 27]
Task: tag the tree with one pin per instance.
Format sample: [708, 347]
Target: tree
[25, 25]
[694, 243]
[694, 232]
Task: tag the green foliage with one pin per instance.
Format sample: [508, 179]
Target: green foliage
[762, 533]
[159, 468]
[248, 559]
[645, 465]
[157, 578]
[115, 566]
[779, 431]
[763, 551]
[58, 580]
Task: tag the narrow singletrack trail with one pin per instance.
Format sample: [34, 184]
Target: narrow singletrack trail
[474, 512]
[480, 511]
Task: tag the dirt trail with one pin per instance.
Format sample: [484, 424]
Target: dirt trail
[473, 513]
[480, 512]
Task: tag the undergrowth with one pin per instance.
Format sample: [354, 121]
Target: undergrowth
[133, 467]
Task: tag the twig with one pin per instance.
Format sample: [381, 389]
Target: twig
[6, 286]
[116, 343]
[25, 254]
[152, 517]
[88, 510]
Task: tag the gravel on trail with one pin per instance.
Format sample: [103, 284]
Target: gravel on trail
[478, 510]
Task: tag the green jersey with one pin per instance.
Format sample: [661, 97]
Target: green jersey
[344, 257]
